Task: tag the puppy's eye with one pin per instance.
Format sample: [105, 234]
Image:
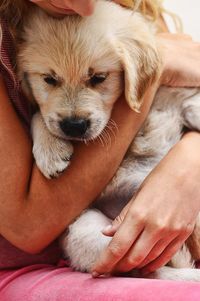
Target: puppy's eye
[50, 80]
[98, 78]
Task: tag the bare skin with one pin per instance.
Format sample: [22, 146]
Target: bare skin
[181, 50]
[63, 7]
[34, 210]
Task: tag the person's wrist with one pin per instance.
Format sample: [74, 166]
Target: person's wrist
[188, 148]
[182, 163]
[164, 41]
[164, 69]
[189, 151]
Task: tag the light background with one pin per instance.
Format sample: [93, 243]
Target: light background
[189, 11]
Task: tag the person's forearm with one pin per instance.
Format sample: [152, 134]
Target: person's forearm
[34, 210]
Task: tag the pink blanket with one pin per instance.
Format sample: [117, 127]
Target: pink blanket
[50, 283]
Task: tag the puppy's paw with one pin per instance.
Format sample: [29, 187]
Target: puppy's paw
[52, 158]
[52, 154]
[83, 242]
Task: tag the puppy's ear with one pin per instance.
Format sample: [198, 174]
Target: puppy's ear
[141, 65]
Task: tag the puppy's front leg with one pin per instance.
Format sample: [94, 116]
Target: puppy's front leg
[52, 154]
[83, 241]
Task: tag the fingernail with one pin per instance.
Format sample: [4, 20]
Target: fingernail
[107, 228]
[95, 274]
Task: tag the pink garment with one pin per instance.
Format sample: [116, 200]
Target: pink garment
[49, 283]
[12, 257]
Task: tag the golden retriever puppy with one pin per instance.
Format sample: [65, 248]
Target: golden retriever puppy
[74, 69]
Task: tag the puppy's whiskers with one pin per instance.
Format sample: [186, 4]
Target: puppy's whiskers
[85, 141]
[106, 137]
[113, 125]
[111, 129]
[101, 139]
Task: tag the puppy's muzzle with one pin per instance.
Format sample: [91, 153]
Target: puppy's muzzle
[74, 127]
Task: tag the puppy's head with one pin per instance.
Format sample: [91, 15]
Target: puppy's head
[75, 68]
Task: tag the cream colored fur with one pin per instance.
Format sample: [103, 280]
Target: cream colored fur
[58, 61]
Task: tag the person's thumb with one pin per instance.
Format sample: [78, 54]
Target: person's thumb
[111, 229]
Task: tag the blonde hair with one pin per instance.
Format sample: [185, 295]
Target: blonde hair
[13, 10]
[150, 8]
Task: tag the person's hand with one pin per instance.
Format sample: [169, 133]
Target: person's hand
[151, 228]
[67, 7]
[181, 60]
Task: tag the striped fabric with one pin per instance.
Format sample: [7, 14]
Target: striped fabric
[7, 53]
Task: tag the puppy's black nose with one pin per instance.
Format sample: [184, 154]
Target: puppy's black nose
[74, 127]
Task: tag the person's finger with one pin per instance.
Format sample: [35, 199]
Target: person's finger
[143, 248]
[84, 8]
[156, 251]
[110, 230]
[165, 256]
[123, 239]
[137, 253]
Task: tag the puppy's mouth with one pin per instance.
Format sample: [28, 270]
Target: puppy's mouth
[77, 129]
